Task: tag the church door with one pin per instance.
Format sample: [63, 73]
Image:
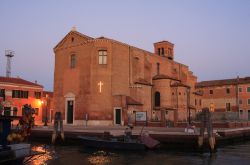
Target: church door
[70, 111]
[118, 116]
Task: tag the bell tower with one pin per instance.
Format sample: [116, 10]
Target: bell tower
[164, 49]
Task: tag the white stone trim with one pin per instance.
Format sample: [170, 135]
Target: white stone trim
[69, 97]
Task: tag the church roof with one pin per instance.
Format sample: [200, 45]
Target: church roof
[131, 101]
[164, 41]
[163, 76]
[143, 82]
[73, 32]
[179, 84]
[122, 43]
[19, 81]
[90, 39]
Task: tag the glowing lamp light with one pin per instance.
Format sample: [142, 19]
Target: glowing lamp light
[40, 102]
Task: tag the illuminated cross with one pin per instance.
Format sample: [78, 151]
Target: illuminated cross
[100, 84]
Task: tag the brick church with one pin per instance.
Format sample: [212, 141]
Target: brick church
[106, 82]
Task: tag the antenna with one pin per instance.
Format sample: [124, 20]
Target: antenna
[9, 54]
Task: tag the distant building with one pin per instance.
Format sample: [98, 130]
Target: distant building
[16, 92]
[107, 82]
[48, 106]
[227, 95]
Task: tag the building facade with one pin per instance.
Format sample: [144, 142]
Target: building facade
[47, 106]
[229, 95]
[101, 81]
[16, 92]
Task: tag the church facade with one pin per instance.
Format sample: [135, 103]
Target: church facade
[101, 81]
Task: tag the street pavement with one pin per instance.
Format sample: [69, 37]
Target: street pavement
[116, 130]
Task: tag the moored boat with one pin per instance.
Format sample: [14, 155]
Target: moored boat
[111, 143]
[12, 148]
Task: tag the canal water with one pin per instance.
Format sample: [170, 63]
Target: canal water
[238, 154]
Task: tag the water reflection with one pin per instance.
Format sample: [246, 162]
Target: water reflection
[208, 159]
[100, 158]
[74, 155]
[42, 155]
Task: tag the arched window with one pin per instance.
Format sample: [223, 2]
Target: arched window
[157, 99]
[158, 68]
[73, 61]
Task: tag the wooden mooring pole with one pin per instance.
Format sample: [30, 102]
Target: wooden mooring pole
[206, 123]
[58, 127]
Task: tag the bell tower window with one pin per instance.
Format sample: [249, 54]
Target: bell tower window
[158, 68]
[162, 51]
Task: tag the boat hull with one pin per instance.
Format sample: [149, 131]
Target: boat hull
[111, 144]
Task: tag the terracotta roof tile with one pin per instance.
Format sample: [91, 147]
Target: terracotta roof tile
[179, 84]
[163, 42]
[163, 76]
[131, 101]
[71, 32]
[143, 82]
[122, 43]
[235, 81]
[20, 81]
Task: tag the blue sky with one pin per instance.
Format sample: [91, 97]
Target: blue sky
[212, 37]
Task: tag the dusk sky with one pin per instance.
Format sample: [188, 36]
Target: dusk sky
[212, 37]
